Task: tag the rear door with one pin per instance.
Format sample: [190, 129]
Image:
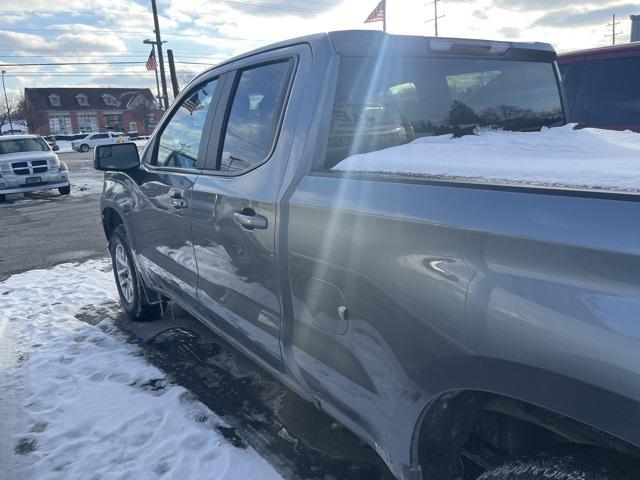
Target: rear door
[171, 164]
[234, 207]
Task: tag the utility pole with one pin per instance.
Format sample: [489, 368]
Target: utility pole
[612, 26]
[159, 42]
[159, 96]
[172, 73]
[436, 17]
[6, 101]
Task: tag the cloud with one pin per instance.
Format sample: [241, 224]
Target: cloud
[481, 14]
[510, 32]
[13, 41]
[538, 5]
[580, 17]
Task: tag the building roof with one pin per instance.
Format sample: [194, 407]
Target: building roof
[86, 98]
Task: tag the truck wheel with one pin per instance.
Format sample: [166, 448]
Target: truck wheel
[65, 190]
[128, 281]
[84, 147]
[581, 466]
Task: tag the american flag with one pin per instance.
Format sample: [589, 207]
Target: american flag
[378, 13]
[151, 63]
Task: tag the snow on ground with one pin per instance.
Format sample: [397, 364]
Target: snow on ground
[78, 401]
[65, 146]
[589, 158]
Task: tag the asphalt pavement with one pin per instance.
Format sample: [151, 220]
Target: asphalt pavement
[41, 229]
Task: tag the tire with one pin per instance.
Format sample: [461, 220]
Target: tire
[132, 296]
[581, 465]
[84, 147]
[65, 190]
[3, 198]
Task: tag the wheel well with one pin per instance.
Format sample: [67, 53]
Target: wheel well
[462, 434]
[110, 220]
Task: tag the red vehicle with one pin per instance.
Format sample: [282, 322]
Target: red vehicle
[602, 86]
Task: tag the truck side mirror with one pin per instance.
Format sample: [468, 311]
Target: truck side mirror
[118, 157]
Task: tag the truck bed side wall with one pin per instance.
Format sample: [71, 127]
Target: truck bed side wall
[534, 295]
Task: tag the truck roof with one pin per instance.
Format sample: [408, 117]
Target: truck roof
[375, 42]
[602, 53]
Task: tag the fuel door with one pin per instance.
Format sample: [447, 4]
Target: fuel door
[326, 305]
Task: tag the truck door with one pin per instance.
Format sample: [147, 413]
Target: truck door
[235, 203]
[170, 167]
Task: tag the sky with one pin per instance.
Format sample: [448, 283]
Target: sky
[86, 33]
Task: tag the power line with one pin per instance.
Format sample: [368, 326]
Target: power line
[132, 32]
[68, 63]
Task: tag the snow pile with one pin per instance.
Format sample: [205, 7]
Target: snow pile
[79, 402]
[588, 158]
[65, 146]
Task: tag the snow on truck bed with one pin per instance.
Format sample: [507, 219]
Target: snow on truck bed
[79, 402]
[562, 156]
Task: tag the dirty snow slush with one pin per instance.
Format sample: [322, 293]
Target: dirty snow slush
[92, 392]
[85, 403]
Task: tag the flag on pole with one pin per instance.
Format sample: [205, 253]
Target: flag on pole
[151, 63]
[378, 14]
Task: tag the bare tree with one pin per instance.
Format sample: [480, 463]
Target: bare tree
[33, 116]
[184, 77]
[12, 111]
[141, 113]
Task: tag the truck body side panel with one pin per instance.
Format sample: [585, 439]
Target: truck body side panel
[453, 288]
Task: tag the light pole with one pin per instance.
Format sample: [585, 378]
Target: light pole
[6, 101]
[160, 97]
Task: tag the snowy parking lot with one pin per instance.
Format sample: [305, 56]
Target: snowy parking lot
[85, 390]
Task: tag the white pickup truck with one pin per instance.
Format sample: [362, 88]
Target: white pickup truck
[94, 139]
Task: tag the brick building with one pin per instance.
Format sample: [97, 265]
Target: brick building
[63, 111]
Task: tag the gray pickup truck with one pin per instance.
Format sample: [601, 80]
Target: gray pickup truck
[462, 327]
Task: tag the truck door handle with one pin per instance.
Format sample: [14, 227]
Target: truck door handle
[249, 220]
[177, 200]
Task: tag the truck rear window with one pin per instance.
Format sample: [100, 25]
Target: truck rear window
[383, 102]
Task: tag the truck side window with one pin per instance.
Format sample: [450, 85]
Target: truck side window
[616, 100]
[254, 116]
[179, 142]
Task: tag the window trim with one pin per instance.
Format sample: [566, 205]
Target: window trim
[160, 128]
[293, 59]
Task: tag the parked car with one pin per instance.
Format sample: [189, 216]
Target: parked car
[601, 86]
[94, 139]
[27, 164]
[462, 329]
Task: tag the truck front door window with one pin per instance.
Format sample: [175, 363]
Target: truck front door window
[179, 142]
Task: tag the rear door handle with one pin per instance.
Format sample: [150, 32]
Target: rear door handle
[249, 220]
